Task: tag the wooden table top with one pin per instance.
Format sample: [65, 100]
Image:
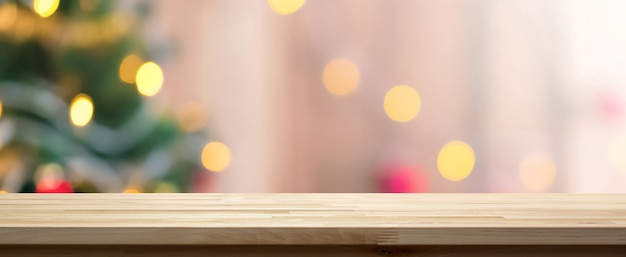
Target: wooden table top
[313, 219]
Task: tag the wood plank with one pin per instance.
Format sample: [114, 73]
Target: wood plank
[317, 251]
[313, 219]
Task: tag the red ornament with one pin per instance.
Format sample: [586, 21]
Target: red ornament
[403, 179]
[54, 186]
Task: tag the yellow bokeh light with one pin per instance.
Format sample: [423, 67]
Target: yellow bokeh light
[131, 191]
[341, 77]
[537, 172]
[149, 79]
[45, 8]
[192, 117]
[617, 154]
[8, 15]
[3, 192]
[402, 103]
[0, 109]
[216, 156]
[456, 161]
[284, 7]
[81, 110]
[129, 67]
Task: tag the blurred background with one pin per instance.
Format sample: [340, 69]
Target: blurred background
[312, 96]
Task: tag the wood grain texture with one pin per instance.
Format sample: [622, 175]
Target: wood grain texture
[317, 251]
[313, 219]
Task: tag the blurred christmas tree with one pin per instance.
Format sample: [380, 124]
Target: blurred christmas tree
[74, 81]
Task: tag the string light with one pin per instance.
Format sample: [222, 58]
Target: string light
[129, 67]
[216, 156]
[402, 103]
[81, 110]
[149, 79]
[45, 8]
[341, 77]
[537, 172]
[617, 154]
[284, 7]
[456, 160]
